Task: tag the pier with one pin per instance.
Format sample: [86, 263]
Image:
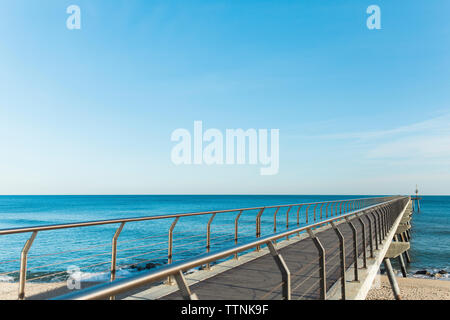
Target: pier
[333, 250]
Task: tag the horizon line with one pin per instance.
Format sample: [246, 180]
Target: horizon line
[211, 194]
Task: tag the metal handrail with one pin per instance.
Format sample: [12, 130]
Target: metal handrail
[111, 289]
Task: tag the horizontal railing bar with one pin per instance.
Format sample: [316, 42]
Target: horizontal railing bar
[158, 217]
[117, 287]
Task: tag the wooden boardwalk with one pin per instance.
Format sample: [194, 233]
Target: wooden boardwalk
[261, 279]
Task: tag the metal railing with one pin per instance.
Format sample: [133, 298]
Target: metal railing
[313, 212]
[384, 216]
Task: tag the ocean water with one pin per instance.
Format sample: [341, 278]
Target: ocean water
[430, 243]
[143, 245]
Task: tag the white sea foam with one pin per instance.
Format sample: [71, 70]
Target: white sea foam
[445, 277]
[121, 273]
[103, 276]
[6, 279]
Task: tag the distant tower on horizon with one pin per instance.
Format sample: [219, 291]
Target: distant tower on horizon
[417, 198]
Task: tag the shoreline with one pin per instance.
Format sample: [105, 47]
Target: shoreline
[411, 288]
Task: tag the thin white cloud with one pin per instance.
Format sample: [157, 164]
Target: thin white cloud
[438, 125]
[417, 146]
[422, 141]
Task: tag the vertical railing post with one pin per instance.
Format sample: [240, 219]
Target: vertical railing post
[364, 244]
[236, 230]
[258, 226]
[386, 217]
[321, 207]
[275, 220]
[307, 218]
[287, 220]
[114, 251]
[298, 217]
[383, 222]
[323, 272]
[342, 257]
[23, 265]
[375, 228]
[114, 254]
[371, 236]
[326, 210]
[208, 237]
[170, 248]
[355, 249]
[285, 273]
[380, 228]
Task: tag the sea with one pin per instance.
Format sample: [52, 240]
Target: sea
[54, 255]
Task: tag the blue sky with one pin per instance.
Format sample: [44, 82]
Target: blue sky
[91, 111]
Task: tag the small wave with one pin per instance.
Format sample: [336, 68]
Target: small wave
[6, 279]
[25, 222]
[432, 273]
[104, 276]
[121, 273]
[444, 277]
[432, 276]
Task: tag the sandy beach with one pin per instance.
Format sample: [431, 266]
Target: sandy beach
[37, 291]
[411, 289]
